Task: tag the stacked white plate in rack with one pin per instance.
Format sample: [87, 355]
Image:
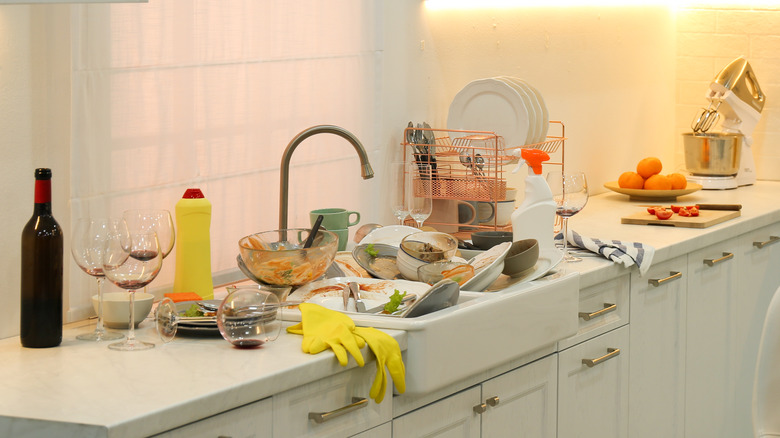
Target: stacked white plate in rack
[508, 106]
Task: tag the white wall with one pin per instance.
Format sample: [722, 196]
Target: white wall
[608, 73]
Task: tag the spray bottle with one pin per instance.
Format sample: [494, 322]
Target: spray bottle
[534, 218]
[193, 245]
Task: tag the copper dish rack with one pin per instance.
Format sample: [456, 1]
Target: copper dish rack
[469, 165]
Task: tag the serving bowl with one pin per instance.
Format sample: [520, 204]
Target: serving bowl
[522, 256]
[116, 308]
[458, 272]
[488, 239]
[422, 248]
[278, 257]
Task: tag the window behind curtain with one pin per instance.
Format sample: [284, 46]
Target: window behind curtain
[207, 93]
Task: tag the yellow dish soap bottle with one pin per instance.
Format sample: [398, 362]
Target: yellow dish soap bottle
[193, 245]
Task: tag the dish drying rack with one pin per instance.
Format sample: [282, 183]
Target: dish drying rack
[468, 165]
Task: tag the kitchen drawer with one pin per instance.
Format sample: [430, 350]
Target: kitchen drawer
[348, 390]
[252, 420]
[602, 308]
[593, 397]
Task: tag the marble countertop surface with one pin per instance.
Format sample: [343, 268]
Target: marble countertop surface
[85, 389]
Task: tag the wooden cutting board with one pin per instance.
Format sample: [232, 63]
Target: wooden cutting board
[706, 218]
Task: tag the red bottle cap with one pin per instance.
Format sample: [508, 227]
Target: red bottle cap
[534, 158]
[193, 194]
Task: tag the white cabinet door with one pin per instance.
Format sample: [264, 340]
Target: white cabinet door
[450, 417]
[759, 266]
[249, 421]
[709, 364]
[522, 402]
[657, 356]
[382, 431]
[593, 387]
[336, 406]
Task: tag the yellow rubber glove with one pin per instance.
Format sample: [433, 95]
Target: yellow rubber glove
[324, 328]
[388, 353]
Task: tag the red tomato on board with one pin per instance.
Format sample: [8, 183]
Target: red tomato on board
[676, 208]
[663, 214]
[694, 211]
[684, 212]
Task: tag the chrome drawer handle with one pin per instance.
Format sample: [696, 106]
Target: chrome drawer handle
[607, 308]
[772, 239]
[492, 401]
[480, 408]
[321, 417]
[713, 262]
[611, 352]
[672, 276]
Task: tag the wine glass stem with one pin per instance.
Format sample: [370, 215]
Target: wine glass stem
[565, 237]
[131, 333]
[99, 327]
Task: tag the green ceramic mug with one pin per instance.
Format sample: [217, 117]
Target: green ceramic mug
[335, 218]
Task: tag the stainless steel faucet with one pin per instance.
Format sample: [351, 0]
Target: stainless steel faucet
[365, 167]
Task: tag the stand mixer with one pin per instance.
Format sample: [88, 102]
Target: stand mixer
[724, 160]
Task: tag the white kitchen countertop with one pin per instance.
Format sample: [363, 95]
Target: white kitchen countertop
[83, 389]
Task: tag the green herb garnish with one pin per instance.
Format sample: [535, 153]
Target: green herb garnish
[395, 300]
[370, 250]
[193, 311]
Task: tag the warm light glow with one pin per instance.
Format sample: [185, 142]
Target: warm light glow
[503, 4]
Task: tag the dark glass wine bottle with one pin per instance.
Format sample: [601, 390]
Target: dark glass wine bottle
[41, 318]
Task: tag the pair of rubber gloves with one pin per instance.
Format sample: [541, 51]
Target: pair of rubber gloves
[324, 328]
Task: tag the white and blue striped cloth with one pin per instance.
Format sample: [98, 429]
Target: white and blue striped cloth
[627, 253]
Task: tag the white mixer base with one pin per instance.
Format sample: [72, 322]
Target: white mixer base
[714, 182]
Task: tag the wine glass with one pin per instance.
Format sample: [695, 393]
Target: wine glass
[570, 192]
[421, 202]
[89, 237]
[401, 189]
[131, 260]
[159, 221]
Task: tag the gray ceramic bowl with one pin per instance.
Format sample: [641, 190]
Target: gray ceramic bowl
[522, 256]
[488, 239]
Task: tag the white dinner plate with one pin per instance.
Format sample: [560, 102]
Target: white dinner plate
[389, 235]
[531, 104]
[542, 114]
[548, 260]
[487, 267]
[490, 105]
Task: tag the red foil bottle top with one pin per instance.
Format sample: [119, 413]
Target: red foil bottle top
[193, 194]
[42, 186]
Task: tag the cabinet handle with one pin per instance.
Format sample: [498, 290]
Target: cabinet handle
[480, 408]
[492, 401]
[611, 352]
[772, 239]
[321, 417]
[672, 276]
[607, 308]
[713, 262]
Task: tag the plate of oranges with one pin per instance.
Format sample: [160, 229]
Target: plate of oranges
[648, 184]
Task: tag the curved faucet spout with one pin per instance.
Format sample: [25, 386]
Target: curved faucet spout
[365, 167]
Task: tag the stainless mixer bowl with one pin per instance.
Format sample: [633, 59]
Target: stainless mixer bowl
[712, 153]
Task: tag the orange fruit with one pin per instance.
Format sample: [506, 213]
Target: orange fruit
[648, 167]
[631, 180]
[678, 181]
[658, 182]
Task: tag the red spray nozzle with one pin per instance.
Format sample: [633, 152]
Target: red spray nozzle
[534, 158]
[193, 194]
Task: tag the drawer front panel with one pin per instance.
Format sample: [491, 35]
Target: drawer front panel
[340, 403]
[252, 420]
[602, 308]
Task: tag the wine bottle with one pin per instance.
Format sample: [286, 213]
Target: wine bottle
[41, 318]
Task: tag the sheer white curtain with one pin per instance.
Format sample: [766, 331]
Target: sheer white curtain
[207, 93]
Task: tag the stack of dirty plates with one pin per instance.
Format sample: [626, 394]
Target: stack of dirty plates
[507, 106]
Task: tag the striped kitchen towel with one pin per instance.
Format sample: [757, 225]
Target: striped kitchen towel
[627, 253]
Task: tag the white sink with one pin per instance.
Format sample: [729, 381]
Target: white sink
[483, 330]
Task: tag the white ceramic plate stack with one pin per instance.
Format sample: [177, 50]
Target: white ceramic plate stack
[509, 107]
